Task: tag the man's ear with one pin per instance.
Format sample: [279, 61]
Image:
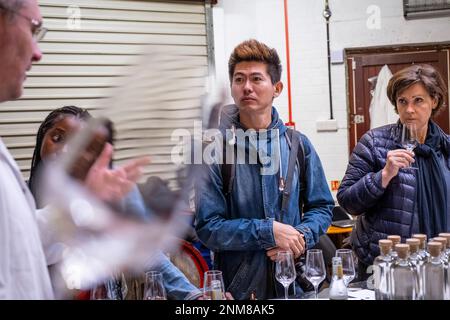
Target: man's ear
[278, 89]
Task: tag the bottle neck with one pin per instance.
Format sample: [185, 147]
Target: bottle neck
[338, 272]
[435, 259]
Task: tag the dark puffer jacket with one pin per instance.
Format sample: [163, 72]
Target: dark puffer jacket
[381, 211]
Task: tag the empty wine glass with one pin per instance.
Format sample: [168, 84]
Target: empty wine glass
[409, 138]
[348, 265]
[315, 268]
[154, 286]
[213, 288]
[285, 270]
[100, 292]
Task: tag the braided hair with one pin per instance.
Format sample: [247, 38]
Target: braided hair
[49, 122]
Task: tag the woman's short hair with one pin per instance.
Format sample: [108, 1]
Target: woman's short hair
[418, 73]
[253, 50]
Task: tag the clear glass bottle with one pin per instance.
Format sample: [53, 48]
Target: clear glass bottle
[447, 265]
[447, 249]
[381, 270]
[443, 242]
[395, 239]
[434, 273]
[405, 278]
[423, 245]
[417, 260]
[338, 289]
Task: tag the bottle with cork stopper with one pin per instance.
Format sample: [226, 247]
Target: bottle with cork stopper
[447, 249]
[395, 239]
[423, 245]
[443, 242]
[405, 278]
[434, 273]
[381, 271]
[416, 259]
[338, 289]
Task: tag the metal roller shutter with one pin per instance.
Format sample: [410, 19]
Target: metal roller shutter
[80, 65]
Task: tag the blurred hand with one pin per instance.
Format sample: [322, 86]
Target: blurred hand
[113, 184]
[395, 160]
[287, 238]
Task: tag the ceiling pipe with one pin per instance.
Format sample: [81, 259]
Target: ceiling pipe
[327, 14]
[291, 123]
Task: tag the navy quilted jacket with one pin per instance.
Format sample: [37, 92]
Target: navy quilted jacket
[381, 211]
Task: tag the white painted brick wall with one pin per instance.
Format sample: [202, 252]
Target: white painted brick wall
[264, 20]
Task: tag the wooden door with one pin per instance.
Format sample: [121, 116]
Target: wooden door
[362, 66]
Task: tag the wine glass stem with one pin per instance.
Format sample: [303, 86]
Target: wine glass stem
[315, 291]
[286, 292]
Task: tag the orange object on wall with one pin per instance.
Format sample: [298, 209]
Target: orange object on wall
[335, 185]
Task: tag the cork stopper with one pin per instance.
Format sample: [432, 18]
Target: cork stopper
[413, 245]
[442, 240]
[402, 250]
[434, 248]
[395, 239]
[385, 246]
[422, 238]
[446, 236]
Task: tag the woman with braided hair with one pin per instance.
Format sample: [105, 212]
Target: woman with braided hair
[54, 132]
[51, 139]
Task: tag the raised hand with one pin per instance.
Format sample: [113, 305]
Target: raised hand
[395, 160]
[113, 184]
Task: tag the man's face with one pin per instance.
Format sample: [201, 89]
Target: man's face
[18, 49]
[252, 88]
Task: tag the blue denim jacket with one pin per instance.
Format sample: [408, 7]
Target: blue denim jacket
[240, 229]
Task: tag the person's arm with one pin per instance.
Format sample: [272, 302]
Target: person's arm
[5, 275]
[215, 230]
[50, 235]
[361, 187]
[176, 284]
[317, 199]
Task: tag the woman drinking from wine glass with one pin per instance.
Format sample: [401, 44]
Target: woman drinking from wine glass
[381, 185]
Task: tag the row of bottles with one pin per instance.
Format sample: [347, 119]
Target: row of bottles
[414, 270]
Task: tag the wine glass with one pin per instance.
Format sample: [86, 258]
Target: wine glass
[409, 137]
[100, 292]
[154, 286]
[285, 270]
[213, 287]
[348, 265]
[315, 268]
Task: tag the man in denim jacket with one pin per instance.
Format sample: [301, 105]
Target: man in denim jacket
[246, 228]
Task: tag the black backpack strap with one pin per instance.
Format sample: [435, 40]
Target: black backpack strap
[228, 171]
[297, 149]
[290, 171]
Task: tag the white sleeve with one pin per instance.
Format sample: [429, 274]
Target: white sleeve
[52, 245]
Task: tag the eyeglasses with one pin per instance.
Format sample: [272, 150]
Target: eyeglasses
[37, 30]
